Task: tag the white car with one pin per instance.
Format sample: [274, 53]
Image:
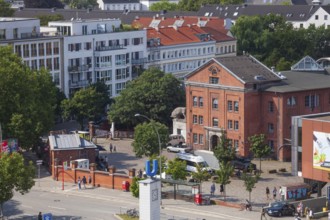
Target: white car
[179, 148]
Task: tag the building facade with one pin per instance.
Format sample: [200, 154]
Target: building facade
[244, 97]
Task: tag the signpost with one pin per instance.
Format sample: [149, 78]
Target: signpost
[328, 193]
[39, 162]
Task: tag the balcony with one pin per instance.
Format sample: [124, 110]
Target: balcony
[107, 48]
[80, 68]
[139, 61]
[79, 84]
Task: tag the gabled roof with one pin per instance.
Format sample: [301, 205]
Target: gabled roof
[289, 12]
[68, 142]
[176, 35]
[246, 68]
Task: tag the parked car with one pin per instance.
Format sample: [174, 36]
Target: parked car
[175, 139]
[243, 164]
[179, 148]
[281, 209]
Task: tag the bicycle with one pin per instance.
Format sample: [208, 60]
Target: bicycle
[132, 213]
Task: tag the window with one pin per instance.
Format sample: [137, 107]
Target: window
[120, 59]
[15, 33]
[195, 138]
[316, 17]
[201, 139]
[56, 63]
[200, 119]
[312, 101]
[84, 29]
[236, 125]
[215, 103]
[270, 128]
[236, 106]
[214, 80]
[201, 103]
[2, 34]
[33, 50]
[194, 119]
[291, 101]
[122, 73]
[18, 50]
[230, 142]
[49, 63]
[41, 49]
[34, 64]
[104, 75]
[56, 49]
[230, 106]
[26, 50]
[120, 87]
[271, 106]
[271, 144]
[215, 122]
[195, 101]
[236, 145]
[325, 17]
[41, 63]
[49, 48]
[137, 41]
[230, 125]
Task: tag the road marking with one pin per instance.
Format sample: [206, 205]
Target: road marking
[54, 207]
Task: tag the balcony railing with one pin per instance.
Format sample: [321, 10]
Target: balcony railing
[79, 84]
[106, 48]
[79, 68]
[139, 61]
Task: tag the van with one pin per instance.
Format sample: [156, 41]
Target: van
[175, 139]
[193, 161]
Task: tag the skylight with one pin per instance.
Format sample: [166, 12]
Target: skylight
[307, 64]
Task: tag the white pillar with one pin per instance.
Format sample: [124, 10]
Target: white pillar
[149, 199]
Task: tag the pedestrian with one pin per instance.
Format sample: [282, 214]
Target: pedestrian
[212, 189]
[89, 179]
[221, 189]
[110, 148]
[114, 149]
[281, 193]
[267, 192]
[263, 214]
[307, 213]
[79, 182]
[84, 180]
[300, 209]
[274, 193]
[310, 214]
[140, 173]
[40, 216]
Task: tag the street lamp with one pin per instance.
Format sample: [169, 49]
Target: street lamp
[159, 144]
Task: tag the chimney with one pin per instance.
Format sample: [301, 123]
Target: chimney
[91, 130]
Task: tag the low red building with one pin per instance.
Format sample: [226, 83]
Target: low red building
[244, 97]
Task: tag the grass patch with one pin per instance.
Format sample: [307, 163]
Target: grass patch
[126, 217]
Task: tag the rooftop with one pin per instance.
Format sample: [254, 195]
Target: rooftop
[68, 142]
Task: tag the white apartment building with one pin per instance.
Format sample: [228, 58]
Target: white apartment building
[36, 50]
[121, 5]
[96, 50]
[171, 50]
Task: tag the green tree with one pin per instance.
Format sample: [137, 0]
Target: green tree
[163, 5]
[223, 151]
[5, 10]
[258, 146]
[177, 169]
[43, 4]
[15, 175]
[134, 188]
[146, 139]
[86, 103]
[224, 174]
[79, 4]
[189, 5]
[200, 176]
[27, 100]
[154, 93]
[249, 182]
[44, 19]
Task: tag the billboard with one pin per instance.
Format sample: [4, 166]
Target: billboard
[9, 145]
[321, 150]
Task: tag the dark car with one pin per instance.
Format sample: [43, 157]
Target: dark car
[243, 164]
[280, 209]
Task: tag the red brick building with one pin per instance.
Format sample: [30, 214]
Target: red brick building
[244, 97]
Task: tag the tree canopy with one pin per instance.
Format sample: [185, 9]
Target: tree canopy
[44, 19]
[177, 169]
[154, 94]
[276, 42]
[224, 152]
[224, 174]
[195, 5]
[87, 103]
[43, 4]
[5, 10]
[146, 140]
[79, 4]
[27, 100]
[163, 5]
[258, 146]
[15, 175]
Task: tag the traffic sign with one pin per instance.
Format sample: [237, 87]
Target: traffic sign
[39, 162]
[47, 216]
